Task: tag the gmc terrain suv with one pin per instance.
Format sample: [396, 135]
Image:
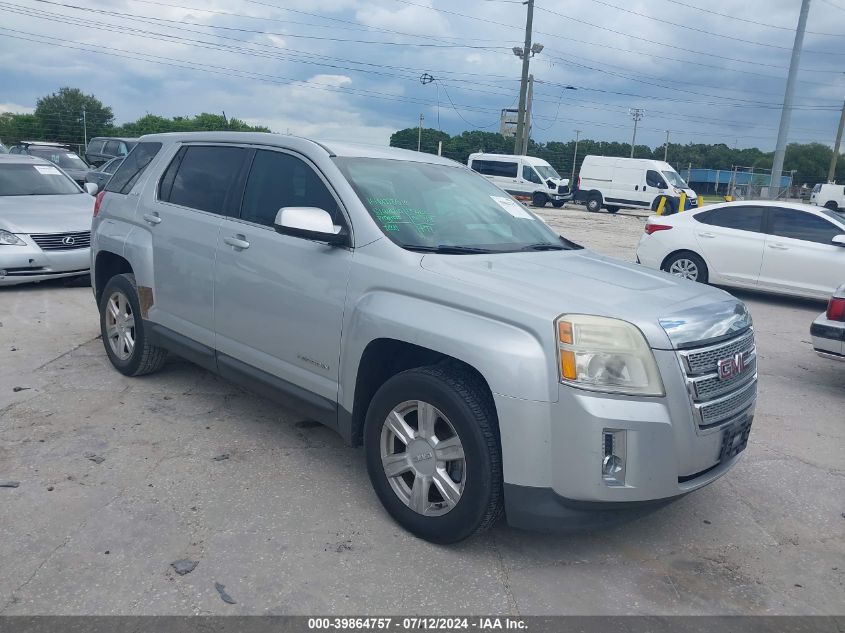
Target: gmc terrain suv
[485, 363]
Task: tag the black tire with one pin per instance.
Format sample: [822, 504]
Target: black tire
[594, 202]
[557, 204]
[612, 209]
[701, 267]
[464, 399]
[539, 199]
[831, 205]
[144, 357]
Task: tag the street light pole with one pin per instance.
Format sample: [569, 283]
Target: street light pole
[84, 127]
[419, 134]
[786, 110]
[637, 115]
[523, 86]
[528, 115]
[666, 148]
[831, 173]
[574, 159]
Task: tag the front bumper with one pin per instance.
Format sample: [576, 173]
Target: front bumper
[828, 338]
[28, 263]
[553, 453]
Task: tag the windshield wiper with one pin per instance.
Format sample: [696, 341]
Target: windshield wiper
[444, 249]
[544, 246]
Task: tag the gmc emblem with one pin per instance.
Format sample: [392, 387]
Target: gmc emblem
[733, 366]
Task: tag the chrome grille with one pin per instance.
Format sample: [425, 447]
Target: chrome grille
[722, 409]
[704, 360]
[715, 401]
[62, 241]
[709, 386]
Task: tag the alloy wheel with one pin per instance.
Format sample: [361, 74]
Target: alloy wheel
[423, 458]
[685, 268]
[120, 325]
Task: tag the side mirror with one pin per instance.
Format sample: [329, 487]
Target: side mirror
[311, 223]
[91, 188]
[839, 240]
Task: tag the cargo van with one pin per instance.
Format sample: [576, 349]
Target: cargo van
[524, 177]
[830, 195]
[638, 183]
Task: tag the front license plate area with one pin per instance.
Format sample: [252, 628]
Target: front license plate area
[735, 438]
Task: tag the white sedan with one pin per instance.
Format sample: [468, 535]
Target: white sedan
[782, 247]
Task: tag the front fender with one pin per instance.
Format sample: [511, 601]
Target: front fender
[512, 359]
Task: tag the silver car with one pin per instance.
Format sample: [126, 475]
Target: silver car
[485, 363]
[45, 221]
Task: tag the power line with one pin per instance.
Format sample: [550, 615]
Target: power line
[615, 32]
[296, 56]
[710, 11]
[694, 28]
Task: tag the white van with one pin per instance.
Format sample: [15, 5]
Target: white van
[639, 183]
[828, 195]
[524, 177]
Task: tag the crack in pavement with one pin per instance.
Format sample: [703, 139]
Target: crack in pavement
[504, 577]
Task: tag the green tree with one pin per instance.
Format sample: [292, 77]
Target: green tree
[60, 115]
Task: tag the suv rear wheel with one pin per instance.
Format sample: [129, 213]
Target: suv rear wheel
[122, 329]
[433, 452]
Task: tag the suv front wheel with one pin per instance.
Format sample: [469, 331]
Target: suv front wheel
[122, 329]
[433, 455]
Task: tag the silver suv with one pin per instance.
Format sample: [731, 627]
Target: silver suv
[485, 363]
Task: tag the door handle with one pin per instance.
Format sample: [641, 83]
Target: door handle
[237, 241]
[152, 218]
[779, 247]
[707, 235]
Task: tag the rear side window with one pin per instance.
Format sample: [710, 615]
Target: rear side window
[95, 147]
[133, 166]
[495, 168]
[279, 180]
[802, 226]
[739, 218]
[112, 147]
[204, 177]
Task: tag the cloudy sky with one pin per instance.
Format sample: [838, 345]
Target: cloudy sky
[350, 69]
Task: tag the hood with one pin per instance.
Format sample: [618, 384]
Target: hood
[46, 214]
[552, 283]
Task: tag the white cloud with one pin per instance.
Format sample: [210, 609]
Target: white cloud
[15, 108]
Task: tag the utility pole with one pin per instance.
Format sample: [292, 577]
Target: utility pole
[786, 111]
[523, 86]
[666, 148]
[84, 127]
[574, 160]
[529, 101]
[419, 134]
[637, 115]
[831, 173]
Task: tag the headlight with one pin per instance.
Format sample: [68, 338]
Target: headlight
[604, 354]
[10, 239]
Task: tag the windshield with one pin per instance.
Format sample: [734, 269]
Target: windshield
[547, 171]
[443, 208]
[60, 156]
[19, 179]
[675, 180]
